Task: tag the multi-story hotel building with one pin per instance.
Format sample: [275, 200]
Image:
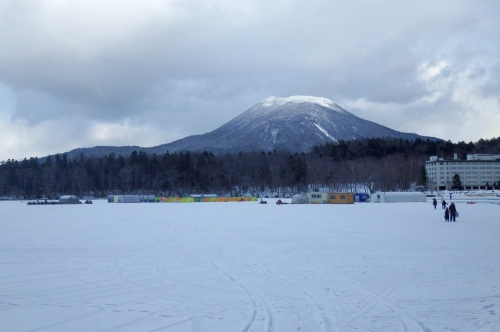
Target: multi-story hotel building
[476, 172]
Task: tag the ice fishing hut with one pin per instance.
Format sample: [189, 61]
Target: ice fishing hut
[124, 199]
[300, 199]
[202, 197]
[318, 197]
[341, 198]
[147, 198]
[361, 197]
[69, 199]
[398, 197]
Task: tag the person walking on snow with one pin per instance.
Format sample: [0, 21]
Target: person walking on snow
[434, 202]
[453, 212]
[444, 204]
[446, 215]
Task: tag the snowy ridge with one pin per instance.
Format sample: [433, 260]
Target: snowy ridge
[325, 102]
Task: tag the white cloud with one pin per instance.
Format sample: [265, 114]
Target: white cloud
[177, 68]
[22, 140]
[452, 107]
[117, 133]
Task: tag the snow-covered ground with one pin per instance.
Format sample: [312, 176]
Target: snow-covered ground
[248, 267]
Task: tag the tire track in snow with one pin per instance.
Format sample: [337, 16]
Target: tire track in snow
[159, 253]
[115, 274]
[410, 323]
[36, 278]
[170, 325]
[210, 236]
[205, 236]
[159, 313]
[368, 307]
[246, 291]
[326, 326]
[252, 299]
[249, 324]
[154, 250]
[264, 269]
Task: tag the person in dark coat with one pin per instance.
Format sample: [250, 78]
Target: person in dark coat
[444, 204]
[434, 202]
[446, 215]
[453, 212]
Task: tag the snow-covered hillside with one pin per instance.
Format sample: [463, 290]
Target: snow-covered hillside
[293, 124]
[248, 267]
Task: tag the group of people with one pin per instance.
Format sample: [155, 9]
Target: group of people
[451, 213]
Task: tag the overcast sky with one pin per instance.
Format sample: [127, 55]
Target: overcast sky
[86, 73]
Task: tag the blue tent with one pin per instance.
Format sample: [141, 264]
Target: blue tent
[361, 197]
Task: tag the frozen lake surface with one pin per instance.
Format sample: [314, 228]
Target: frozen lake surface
[248, 267]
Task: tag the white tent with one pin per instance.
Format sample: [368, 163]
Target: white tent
[69, 199]
[300, 199]
[397, 197]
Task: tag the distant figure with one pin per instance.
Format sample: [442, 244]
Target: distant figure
[450, 197]
[453, 212]
[279, 202]
[444, 204]
[434, 202]
[446, 215]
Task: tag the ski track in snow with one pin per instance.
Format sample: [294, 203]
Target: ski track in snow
[248, 267]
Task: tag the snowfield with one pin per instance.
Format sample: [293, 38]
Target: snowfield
[248, 267]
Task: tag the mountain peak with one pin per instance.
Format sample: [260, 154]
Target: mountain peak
[293, 124]
[325, 102]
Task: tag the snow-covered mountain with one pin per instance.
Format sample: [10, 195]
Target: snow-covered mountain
[293, 124]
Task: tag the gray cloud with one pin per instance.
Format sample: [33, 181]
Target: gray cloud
[174, 68]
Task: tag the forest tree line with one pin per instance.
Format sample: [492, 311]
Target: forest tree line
[373, 164]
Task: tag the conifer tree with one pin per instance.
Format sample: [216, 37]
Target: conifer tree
[456, 182]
